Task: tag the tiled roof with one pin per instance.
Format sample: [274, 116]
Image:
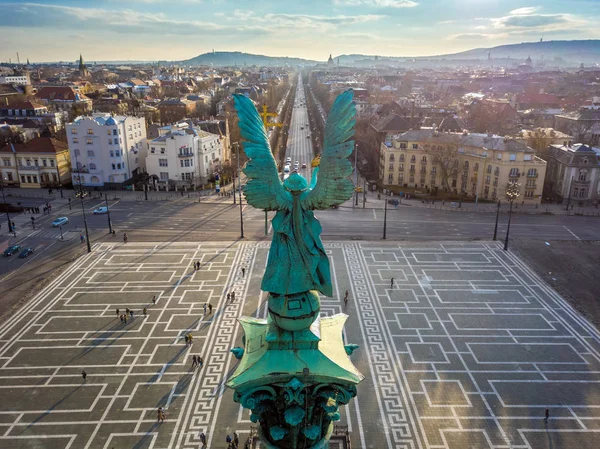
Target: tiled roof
[38, 145]
[479, 140]
[28, 105]
[392, 123]
[60, 93]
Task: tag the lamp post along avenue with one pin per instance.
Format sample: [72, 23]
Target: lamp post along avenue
[512, 192]
[496, 226]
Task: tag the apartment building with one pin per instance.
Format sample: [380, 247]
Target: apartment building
[40, 162]
[183, 156]
[476, 165]
[106, 149]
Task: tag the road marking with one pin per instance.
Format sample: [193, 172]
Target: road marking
[374, 215]
[572, 233]
[35, 254]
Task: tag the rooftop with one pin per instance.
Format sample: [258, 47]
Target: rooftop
[38, 145]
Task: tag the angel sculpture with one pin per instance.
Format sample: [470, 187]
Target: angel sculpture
[297, 261]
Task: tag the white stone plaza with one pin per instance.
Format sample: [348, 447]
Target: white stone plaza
[467, 349]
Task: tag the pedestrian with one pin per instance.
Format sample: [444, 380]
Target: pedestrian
[117, 312]
[194, 362]
[209, 308]
[81, 238]
[145, 312]
[186, 339]
[190, 338]
[124, 237]
[84, 375]
[161, 415]
[233, 296]
[236, 439]
[346, 298]
[131, 314]
[154, 299]
[546, 416]
[198, 265]
[243, 271]
[121, 317]
[228, 296]
[392, 283]
[127, 311]
[228, 439]
[204, 308]
[125, 318]
[203, 439]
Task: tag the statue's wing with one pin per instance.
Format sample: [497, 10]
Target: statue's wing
[333, 186]
[264, 189]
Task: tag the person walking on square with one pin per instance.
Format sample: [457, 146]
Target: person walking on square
[124, 237]
[122, 319]
[209, 308]
[186, 339]
[243, 272]
[204, 308]
[125, 318]
[145, 312]
[203, 439]
[233, 296]
[84, 375]
[346, 298]
[200, 361]
[198, 265]
[392, 283]
[236, 439]
[228, 296]
[194, 362]
[117, 312]
[131, 314]
[546, 416]
[161, 415]
[154, 300]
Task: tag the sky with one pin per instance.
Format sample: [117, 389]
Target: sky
[150, 30]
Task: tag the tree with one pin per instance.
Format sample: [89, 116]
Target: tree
[446, 158]
[539, 141]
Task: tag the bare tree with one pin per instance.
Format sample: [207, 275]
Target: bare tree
[446, 158]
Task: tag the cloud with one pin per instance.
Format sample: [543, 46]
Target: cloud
[525, 10]
[378, 3]
[473, 36]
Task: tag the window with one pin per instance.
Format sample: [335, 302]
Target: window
[391, 178]
[129, 128]
[90, 153]
[476, 167]
[206, 159]
[34, 178]
[487, 179]
[412, 168]
[90, 132]
[29, 179]
[433, 170]
[114, 167]
[413, 158]
[92, 166]
[497, 171]
[466, 165]
[164, 176]
[162, 163]
[36, 162]
[403, 145]
[112, 153]
[51, 162]
[114, 132]
[152, 150]
[415, 146]
[89, 141]
[28, 162]
[212, 156]
[581, 193]
[75, 140]
[532, 173]
[7, 162]
[513, 157]
[45, 162]
[499, 156]
[527, 157]
[181, 162]
[424, 160]
[162, 151]
[54, 178]
[582, 175]
[73, 131]
[23, 179]
[402, 158]
[514, 172]
[108, 132]
[392, 158]
[401, 167]
[130, 137]
[486, 191]
[110, 141]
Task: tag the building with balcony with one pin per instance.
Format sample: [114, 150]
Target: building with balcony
[63, 98]
[33, 111]
[573, 172]
[183, 156]
[471, 164]
[41, 162]
[106, 150]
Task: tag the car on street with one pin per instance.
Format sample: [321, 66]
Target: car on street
[100, 210]
[303, 164]
[26, 252]
[11, 250]
[288, 160]
[59, 222]
[286, 169]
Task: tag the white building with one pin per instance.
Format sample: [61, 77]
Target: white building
[183, 156]
[106, 148]
[16, 80]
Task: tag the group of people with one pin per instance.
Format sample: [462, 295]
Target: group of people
[197, 361]
[196, 266]
[128, 314]
[161, 415]
[33, 210]
[209, 305]
[189, 338]
[232, 443]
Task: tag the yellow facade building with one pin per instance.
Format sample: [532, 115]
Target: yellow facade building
[471, 164]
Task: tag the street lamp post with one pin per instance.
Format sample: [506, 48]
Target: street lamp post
[512, 192]
[240, 191]
[385, 216]
[356, 174]
[497, 215]
[10, 229]
[108, 213]
[81, 194]
[570, 187]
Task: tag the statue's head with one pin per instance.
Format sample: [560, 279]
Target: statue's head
[295, 183]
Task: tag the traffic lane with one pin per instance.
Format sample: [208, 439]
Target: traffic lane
[10, 265]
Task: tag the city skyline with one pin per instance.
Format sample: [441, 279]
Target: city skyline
[160, 30]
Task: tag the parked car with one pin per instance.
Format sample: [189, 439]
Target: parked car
[26, 252]
[11, 250]
[100, 210]
[59, 222]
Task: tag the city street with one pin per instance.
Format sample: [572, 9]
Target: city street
[299, 145]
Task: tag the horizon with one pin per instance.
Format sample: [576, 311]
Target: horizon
[152, 30]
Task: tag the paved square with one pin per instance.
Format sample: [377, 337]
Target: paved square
[465, 350]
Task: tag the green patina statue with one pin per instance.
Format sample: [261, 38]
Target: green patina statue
[294, 369]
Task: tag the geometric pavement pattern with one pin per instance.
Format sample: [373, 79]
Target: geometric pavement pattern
[466, 349]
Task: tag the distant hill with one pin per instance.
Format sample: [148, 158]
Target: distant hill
[239, 59]
[587, 51]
